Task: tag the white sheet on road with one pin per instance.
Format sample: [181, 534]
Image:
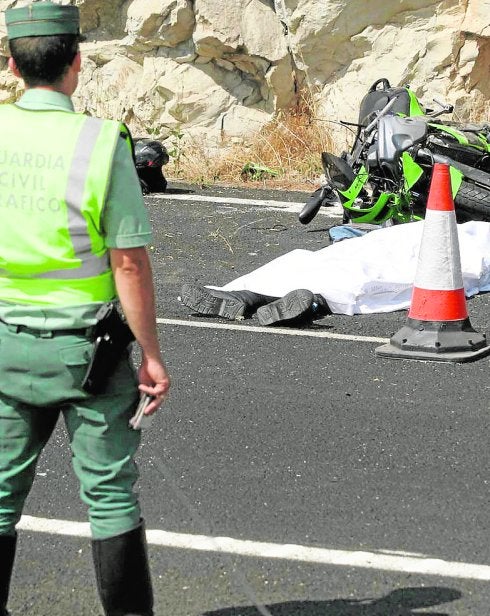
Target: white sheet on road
[372, 273]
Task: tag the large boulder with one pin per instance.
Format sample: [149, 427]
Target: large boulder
[157, 23]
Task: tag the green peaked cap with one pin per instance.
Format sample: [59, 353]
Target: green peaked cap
[42, 19]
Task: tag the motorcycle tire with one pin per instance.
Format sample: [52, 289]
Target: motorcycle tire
[311, 207]
[472, 202]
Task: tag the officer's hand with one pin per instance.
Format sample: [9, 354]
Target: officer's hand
[155, 381]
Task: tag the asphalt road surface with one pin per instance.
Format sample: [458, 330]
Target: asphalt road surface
[287, 475]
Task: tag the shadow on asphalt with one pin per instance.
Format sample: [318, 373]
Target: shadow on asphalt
[400, 602]
[178, 191]
[321, 230]
[317, 326]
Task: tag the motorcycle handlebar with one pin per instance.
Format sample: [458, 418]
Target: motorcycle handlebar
[445, 108]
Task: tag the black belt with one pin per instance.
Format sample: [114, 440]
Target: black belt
[86, 332]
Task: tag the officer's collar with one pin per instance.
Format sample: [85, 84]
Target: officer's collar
[40, 98]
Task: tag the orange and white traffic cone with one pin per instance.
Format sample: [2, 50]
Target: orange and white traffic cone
[438, 327]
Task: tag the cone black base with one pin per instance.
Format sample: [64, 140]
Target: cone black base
[451, 341]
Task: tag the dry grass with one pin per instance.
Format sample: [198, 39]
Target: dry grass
[285, 154]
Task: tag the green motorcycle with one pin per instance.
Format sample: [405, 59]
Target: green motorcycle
[385, 177]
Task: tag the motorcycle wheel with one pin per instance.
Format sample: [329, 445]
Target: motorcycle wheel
[472, 203]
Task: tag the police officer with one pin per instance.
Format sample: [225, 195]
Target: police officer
[74, 231]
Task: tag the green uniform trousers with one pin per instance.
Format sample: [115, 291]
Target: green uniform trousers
[40, 378]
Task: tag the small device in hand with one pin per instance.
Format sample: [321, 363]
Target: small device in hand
[139, 420]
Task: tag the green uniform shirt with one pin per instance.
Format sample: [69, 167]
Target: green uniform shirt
[125, 224]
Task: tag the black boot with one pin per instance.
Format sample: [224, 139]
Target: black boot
[123, 574]
[297, 308]
[7, 555]
[227, 304]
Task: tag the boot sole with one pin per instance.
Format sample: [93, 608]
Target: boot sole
[292, 306]
[202, 301]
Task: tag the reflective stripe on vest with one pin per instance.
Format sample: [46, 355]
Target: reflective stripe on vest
[91, 265]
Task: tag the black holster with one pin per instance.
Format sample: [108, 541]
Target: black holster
[112, 336]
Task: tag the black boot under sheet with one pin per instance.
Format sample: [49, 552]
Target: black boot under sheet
[228, 304]
[298, 308]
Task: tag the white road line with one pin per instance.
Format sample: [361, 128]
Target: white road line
[270, 204]
[281, 331]
[400, 562]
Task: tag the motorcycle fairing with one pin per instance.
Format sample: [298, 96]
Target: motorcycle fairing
[415, 107]
[412, 172]
[470, 139]
[456, 179]
[395, 136]
[378, 213]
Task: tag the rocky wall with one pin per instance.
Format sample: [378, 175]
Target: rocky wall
[221, 70]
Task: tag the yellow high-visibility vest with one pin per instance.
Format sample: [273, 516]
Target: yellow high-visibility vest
[55, 169]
